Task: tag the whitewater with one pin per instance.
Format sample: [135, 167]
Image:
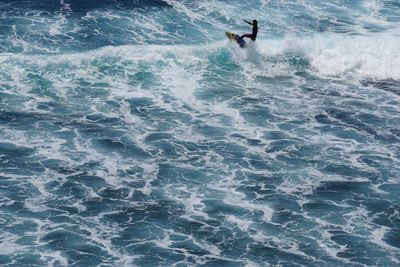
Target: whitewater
[133, 133]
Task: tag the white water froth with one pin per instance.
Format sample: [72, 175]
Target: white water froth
[333, 55]
[329, 55]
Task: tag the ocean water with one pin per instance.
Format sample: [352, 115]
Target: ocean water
[133, 133]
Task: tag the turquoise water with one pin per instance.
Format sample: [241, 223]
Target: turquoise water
[133, 133]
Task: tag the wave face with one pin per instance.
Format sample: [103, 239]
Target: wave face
[132, 133]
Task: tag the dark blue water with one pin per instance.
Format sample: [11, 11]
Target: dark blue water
[133, 133]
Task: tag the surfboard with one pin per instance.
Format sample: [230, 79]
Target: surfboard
[231, 36]
[235, 38]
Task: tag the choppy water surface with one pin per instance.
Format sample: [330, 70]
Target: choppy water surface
[132, 133]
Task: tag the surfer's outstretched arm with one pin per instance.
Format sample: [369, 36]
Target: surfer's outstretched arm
[248, 22]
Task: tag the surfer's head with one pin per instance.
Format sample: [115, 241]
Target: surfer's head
[255, 22]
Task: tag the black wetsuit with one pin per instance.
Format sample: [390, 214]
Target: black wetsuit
[253, 34]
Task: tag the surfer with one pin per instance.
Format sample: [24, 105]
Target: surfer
[253, 34]
[240, 39]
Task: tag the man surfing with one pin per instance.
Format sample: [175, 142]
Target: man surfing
[253, 34]
[240, 39]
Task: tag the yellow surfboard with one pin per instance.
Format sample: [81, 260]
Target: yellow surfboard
[236, 38]
[231, 36]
